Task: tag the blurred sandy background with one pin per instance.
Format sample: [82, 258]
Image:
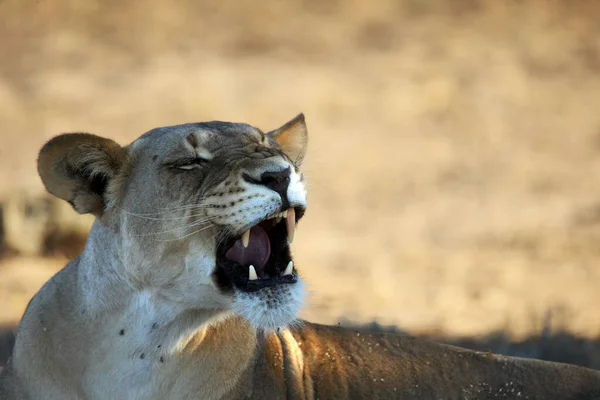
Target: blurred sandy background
[454, 158]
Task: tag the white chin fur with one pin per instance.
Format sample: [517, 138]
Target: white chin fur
[270, 308]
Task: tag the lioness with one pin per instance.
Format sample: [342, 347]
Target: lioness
[186, 288]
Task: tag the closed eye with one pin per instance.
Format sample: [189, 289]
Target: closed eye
[189, 164]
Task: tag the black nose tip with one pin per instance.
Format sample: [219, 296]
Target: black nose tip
[277, 181]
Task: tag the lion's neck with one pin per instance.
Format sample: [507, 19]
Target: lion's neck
[100, 277]
[108, 293]
[146, 338]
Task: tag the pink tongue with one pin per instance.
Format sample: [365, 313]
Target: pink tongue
[257, 253]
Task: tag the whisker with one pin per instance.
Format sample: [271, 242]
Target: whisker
[145, 216]
[220, 236]
[193, 224]
[224, 234]
[189, 234]
[165, 210]
[213, 237]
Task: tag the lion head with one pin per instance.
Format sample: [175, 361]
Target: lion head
[200, 214]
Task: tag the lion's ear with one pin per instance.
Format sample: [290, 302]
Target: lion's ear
[77, 167]
[292, 138]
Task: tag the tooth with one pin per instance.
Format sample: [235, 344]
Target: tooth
[284, 214]
[252, 273]
[246, 238]
[289, 269]
[290, 221]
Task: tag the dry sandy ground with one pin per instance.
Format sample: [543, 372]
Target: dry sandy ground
[454, 146]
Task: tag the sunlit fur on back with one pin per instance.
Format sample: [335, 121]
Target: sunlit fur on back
[161, 304]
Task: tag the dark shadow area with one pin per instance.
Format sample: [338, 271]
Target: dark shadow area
[65, 243]
[558, 346]
[35, 225]
[3, 248]
[7, 341]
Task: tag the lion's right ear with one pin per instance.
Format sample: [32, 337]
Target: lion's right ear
[292, 137]
[77, 168]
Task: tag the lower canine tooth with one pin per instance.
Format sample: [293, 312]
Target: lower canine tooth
[252, 273]
[289, 269]
[290, 222]
[246, 238]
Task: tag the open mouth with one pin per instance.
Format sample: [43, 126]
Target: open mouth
[260, 257]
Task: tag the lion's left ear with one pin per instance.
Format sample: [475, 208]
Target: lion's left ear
[77, 167]
[292, 138]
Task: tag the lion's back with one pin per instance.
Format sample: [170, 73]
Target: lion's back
[346, 363]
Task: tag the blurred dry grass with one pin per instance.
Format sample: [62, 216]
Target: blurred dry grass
[454, 157]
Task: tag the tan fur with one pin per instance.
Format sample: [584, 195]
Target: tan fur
[140, 315]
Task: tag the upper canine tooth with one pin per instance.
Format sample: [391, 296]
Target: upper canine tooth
[252, 273]
[284, 214]
[246, 238]
[289, 269]
[290, 222]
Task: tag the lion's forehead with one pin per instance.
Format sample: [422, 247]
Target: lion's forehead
[214, 135]
[230, 148]
[227, 145]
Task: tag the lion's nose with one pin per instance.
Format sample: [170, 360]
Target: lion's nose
[277, 181]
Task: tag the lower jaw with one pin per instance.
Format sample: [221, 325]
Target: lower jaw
[270, 308]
